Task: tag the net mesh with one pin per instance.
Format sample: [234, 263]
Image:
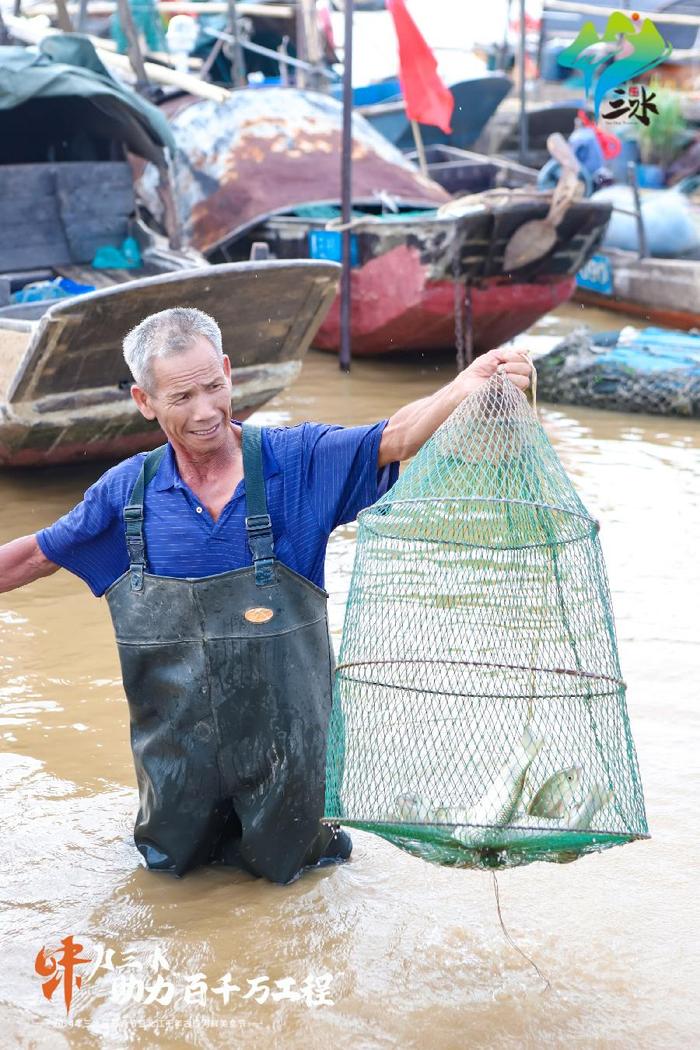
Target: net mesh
[478, 714]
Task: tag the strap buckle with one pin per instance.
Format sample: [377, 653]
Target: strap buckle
[264, 571]
[136, 573]
[133, 519]
[256, 523]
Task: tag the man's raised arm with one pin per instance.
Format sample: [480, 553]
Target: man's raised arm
[22, 561]
[411, 426]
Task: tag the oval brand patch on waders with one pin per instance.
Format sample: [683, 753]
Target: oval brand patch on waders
[258, 615]
[228, 722]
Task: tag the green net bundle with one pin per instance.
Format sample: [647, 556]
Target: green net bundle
[653, 371]
[479, 714]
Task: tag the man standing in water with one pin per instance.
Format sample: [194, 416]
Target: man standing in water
[210, 551]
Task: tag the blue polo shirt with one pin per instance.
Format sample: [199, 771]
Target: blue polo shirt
[317, 476]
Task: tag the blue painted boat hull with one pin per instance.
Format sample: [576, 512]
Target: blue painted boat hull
[476, 100]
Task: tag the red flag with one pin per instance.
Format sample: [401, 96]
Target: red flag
[427, 99]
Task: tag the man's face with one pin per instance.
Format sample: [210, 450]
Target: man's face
[190, 397]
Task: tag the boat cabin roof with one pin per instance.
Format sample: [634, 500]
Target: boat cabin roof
[59, 95]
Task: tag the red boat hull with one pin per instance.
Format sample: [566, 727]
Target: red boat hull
[395, 306]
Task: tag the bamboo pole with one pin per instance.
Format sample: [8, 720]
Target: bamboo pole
[313, 48]
[591, 9]
[643, 251]
[281, 61]
[523, 144]
[420, 148]
[279, 55]
[23, 30]
[62, 17]
[133, 47]
[210, 60]
[167, 7]
[238, 77]
[300, 78]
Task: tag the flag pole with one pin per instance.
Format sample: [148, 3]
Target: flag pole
[523, 97]
[420, 148]
[346, 192]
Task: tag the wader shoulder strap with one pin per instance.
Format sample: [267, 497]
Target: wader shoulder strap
[133, 517]
[257, 523]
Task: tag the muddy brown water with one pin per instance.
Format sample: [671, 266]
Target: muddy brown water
[413, 954]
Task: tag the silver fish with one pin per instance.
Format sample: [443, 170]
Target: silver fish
[501, 800]
[411, 809]
[578, 818]
[557, 795]
[581, 816]
[495, 807]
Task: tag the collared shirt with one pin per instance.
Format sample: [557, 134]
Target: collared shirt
[317, 476]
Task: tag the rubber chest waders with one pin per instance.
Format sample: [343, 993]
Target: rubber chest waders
[228, 680]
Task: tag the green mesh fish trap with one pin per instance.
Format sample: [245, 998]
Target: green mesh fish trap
[479, 714]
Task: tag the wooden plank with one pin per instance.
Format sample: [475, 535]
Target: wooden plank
[172, 7]
[18, 278]
[25, 180]
[41, 179]
[30, 241]
[96, 202]
[88, 275]
[23, 216]
[12, 346]
[658, 17]
[53, 214]
[24, 311]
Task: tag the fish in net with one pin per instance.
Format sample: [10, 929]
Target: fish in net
[479, 714]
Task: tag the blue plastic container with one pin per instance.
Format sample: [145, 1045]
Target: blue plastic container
[651, 176]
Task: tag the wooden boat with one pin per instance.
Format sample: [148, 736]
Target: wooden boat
[661, 291]
[403, 286]
[654, 370]
[64, 386]
[263, 166]
[475, 102]
[501, 135]
[461, 171]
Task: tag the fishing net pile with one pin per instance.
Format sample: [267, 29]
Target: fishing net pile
[651, 371]
[479, 714]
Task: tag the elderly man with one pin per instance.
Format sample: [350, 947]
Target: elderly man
[210, 551]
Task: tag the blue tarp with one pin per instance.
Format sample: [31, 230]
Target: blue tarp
[655, 350]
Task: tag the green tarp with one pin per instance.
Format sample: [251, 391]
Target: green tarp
[67, 65]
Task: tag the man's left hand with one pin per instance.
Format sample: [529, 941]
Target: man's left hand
[516, 365]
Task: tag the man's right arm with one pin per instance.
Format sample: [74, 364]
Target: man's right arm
[22, 561]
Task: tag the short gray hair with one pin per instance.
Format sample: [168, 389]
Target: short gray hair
[167, 332]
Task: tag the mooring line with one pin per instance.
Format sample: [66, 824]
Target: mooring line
[511, 942]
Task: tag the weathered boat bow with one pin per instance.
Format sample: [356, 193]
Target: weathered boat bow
[64, 386]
